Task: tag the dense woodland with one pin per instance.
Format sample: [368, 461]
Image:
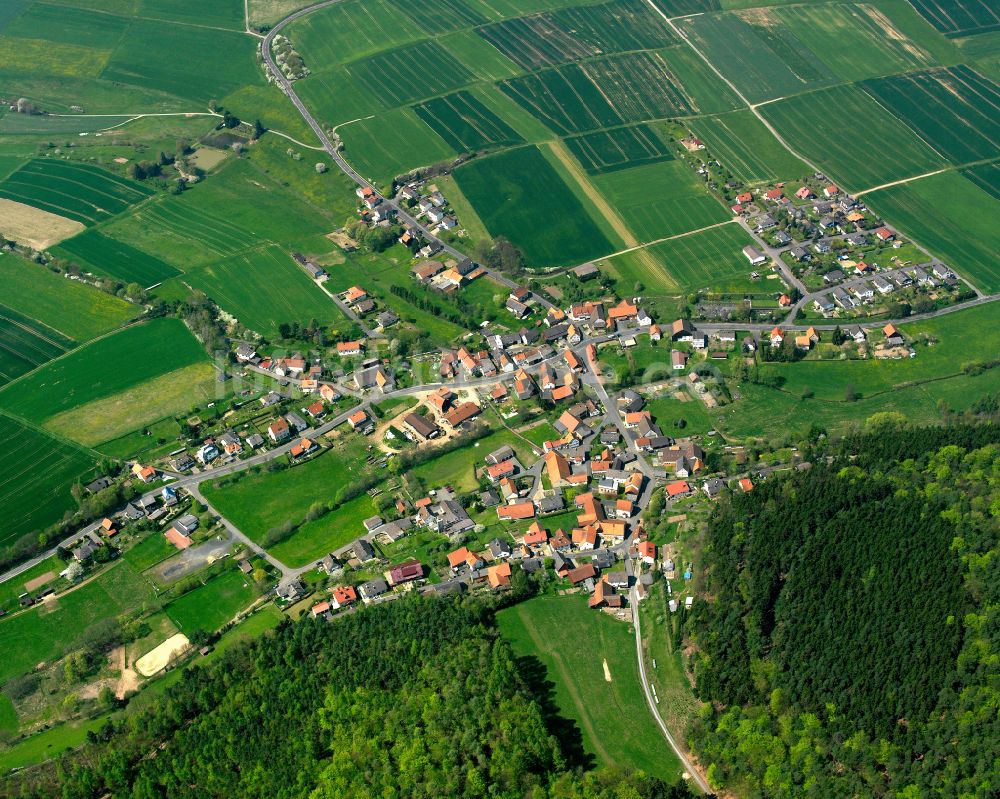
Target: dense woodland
[414, 698]
[851, 647]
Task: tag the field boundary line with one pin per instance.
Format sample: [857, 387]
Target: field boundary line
[904, 180]
[654, 242]
[91, 453]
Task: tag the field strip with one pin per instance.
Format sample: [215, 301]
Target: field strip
[666, 238]
[904, 180]
[33, 331]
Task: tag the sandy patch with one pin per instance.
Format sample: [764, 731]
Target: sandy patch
[158, 659]
[34, 227]
[607, 671]
[208, 158]
[38, 582]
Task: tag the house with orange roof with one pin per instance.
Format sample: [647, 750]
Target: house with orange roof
[633, 485]
[317, 410]
[348, 348]
[585, 538]
[145, 473]
[613, 530]
[177, 538]
[647, 551]
[462, 413]
[624, 508]
[508, 491]
[590, 509]
[516, 511]
[803, 342]
[305, 447]
[678, 488]
[655, 333]
[355, 294]
[279, 430]
[746, 485]
[441, 399]
[344, 595]
[499, 576]
[623, 310]
[536, 535]
[784, 300]
[497, 471]
[359, 421]
[329, 393]
[831, 191]
[562, 393]
[777, 337]
[572, 361]
[319, 609]
[499, 393]
[557, 468]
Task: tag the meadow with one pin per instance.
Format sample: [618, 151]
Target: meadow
[959, 17]
[74, 309]
[465, 124]
[519, 195]
[85, 193]
[619, 148]
[393, 143]
[315, 539]
[604, 92]
[955, 110]
[667, 410]
[457, 468]
[26, 344]
[746, 148]
[563, 646]
[243, 285]
[212, 604]
[882, 150]
[104, 368]
[148, 552]
[94, 252]
[36, 474]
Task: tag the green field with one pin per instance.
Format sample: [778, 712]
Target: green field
[668, 409]
[519, 195]
[82, 192]
[217, 14]
[148, 552]
[439, 16]
[211, 605]
[959, 17]
[49, 743]
[46, 633]
[570, 644]
[348, 31]
[67, 25]
[75, 310]
[619, 148]
[11, 589]
[604, 92]
[456, 469]
[36, 474]
[746, 148]
[26, 344]
[244, 286]
[411, 73]
[465, 124]
[887, 151]
[986, 177]
[955, 110]
[93, 251]
[315, 539]
[678, 8]
[106, 367]
[953, 218]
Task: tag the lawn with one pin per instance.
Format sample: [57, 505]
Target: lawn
[518, 194]
[148, 552]
[44, 745]
[36, 474]
[746, 148]
[212, 604]
[563, 645]
[46, 633]
[315, 539]
[667, 409]
[94, 252]
[103, 369]
[456, 468]
[78, 311]
[8, 716]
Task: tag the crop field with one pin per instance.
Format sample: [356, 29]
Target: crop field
[106, 367]
[465, 123]
[745, 147]
[51, 60]
[576, 98]
[93, 251]
[953, 218]
[619, 148]
[218, 14]
[82, 192]
[211, 605]
[678, 8]
[589, 660]
[763, 60]
[960, 17]
[34, 227]
[26, 344]
[393, 143]
[440, 16]
[986, 177]
[706, 90]
[519, 195]
[36, 474]
[411, 73]
[350, 30]
[244, 286]
[197, 64]
[661, 200]
[9, 10]
[75, 310]
[66, 25]
[572, 34]
[886, 151]
[45, 633]
[956, 110]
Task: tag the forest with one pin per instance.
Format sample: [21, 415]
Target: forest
[851, 644]
[414, 698]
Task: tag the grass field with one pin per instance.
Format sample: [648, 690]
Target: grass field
[66, 25]
[456, 469]
[898, 152]
[619, 148]
[104, 368]
[36, 474]
[148, 552]
[746, 148]
[82, 192]
[315, 539]
[571, 644]
[11, 589]
[49, 743]
[93, 251]
[955, 110]
[951, 216]
[519, 195]
[211, 605]
[244, 286]
[668, 409]
[47, 632]
[959, 17]
[26, 344]
[465, 124]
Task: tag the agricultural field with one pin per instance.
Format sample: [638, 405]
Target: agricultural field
[36, 474]
[94, 252]
[519, 195]
[986, 177]
[104, 368]
[66, 25]
[955, 110]
[440, 16]
[73, 309]
[619, 148]
[678, 8]
[348, 31]
[951, 216]
[402, 75]
[244, 286]
[465, 124]
[34, 227]
[212, 604]
[741, 143]
[48, 631]
[889, 150]
[589, 660]
[605, 92]
[26, 344]
[81, 192]
[218, 14]
[960, 17]
[573, 34]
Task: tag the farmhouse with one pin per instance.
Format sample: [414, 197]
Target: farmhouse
[460, 414]
[421, 427]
